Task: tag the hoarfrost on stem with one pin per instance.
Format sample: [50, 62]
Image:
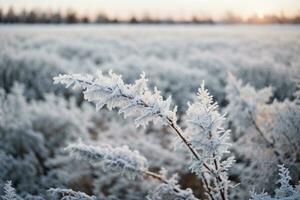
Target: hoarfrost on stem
[119, 159]
[134, 100]
[210, 140]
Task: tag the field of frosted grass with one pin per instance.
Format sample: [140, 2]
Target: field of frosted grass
[176, 59]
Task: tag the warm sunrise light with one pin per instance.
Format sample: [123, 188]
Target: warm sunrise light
[163, 9]
[260, 14]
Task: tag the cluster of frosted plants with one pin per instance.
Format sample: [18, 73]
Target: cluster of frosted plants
[207, 143]
[33, 135]
[285, 192]
[175, 61]
[25, 124]
[267, 130]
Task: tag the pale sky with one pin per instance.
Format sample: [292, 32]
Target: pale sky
[162, 8]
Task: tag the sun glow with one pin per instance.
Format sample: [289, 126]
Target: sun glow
[260, 15]
[162, 9]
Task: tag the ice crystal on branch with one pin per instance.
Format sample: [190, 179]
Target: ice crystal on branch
[119, 159]
[134, 100]
[208, 137]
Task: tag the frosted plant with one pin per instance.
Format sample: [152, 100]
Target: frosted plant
[285, 126]
[68, 194]
[136, 100]
[119, 159]
[270, 138]
[243, 103]
[63, 122]
[129, 163]
[245, 109]
[33, 69]
[151, 143]
[210, 140]
[285, 192]
[32, 140]
[133, 100]
[22, 149]
[10, 192]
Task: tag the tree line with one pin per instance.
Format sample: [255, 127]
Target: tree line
[71, 17]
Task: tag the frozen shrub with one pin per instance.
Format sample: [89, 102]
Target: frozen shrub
[130, 164]
[269, 137]
[119, 159]
[151, 143]
[284, 192]
[243, 103]
[33, 69]
[26, 158]
[266, 74]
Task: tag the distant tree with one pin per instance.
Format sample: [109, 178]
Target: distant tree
[296, 19]
[146, 18]
[85, 20]
[56, 17]
[32, 17]
[44, 18]
[231, 17]
[22, 16]
[115, 20]
[11, 16]
[133, 20]
[71, 17]
[102, 18]
[1, 15]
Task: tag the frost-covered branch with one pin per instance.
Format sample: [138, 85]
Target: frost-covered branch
[210, 140]
[122, 160]
[119, 159]
[134, 100]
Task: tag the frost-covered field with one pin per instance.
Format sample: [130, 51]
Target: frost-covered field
[251, 72]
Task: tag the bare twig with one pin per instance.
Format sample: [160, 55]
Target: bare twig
[159, 178]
